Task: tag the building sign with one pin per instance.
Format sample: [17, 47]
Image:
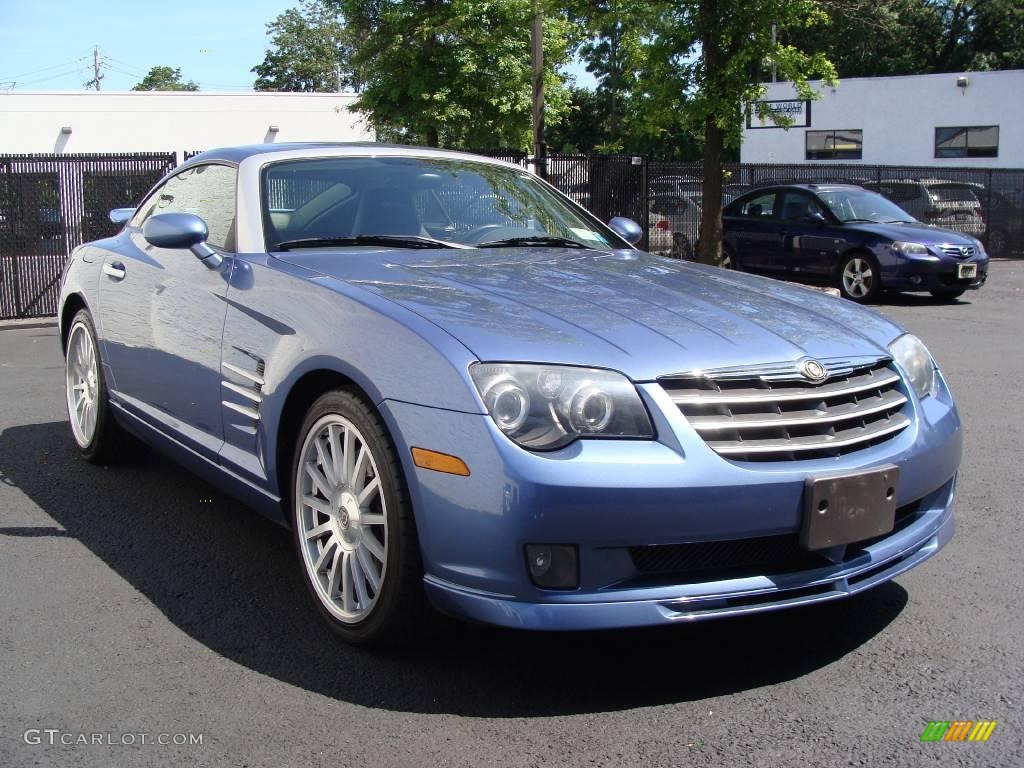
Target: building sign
[793, 114]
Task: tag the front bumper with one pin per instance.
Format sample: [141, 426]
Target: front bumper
[608, 497]
[932, 273]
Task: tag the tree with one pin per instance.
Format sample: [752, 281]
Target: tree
[165, 79]
[309, 51]
[714, 53]
[911, 37]
[455, 73]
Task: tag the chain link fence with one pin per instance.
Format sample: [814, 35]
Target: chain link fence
[51, 203]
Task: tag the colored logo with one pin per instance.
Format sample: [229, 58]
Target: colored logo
[958, 730]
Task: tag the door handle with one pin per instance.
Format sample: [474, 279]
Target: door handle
[114, 270]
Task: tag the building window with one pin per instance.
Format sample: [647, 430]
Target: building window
[835, 145]
[971, 141]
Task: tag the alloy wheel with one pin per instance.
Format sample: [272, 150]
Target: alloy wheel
[82, 376]
[341, 515]
[858, 278]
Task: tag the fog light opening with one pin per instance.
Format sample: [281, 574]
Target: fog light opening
[553, 566]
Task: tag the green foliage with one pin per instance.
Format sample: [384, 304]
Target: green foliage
[309, 51]
[164, 79]
[910, 37]
[455, 73]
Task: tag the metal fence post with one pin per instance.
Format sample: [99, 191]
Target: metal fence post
[988, 209]
[645, 187]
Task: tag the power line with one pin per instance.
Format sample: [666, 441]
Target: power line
[47, 69]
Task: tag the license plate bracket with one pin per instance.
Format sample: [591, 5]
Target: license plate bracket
[965, 271]
[841, 509]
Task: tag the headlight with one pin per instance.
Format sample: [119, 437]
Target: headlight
[543, 407]
[979, 245]
[910, 249]
[913, 357]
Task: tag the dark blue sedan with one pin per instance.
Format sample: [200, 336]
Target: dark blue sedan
[851, 238]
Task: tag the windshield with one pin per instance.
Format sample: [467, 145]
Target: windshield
[347, 202]
[862, 205]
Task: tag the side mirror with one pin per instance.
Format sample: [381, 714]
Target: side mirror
[816, 218]
[181, 230]
[627, 229]
[121, 215]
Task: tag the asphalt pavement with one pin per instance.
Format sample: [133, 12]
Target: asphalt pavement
[140, 605]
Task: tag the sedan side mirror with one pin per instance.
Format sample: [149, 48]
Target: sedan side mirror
[181, 230]
[816, 218]
[121, 215]
[627, 229]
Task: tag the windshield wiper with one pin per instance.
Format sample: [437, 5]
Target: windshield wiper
[542, 240]
[869, 221]
[395, 241]
[901, 221]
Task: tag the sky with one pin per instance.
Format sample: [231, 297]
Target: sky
[47, 45]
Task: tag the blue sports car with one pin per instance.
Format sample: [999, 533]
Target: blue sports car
[459, 389]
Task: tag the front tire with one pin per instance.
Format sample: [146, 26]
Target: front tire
[860, 278]
[99, 438]
[353, 524]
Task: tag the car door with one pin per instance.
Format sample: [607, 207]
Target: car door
[811, 243]
[755, 230]
[163, 312]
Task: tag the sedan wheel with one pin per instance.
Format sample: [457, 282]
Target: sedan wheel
[353, 524]
[859, 279]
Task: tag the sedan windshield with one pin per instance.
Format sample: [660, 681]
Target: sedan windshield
[418, 202]
[862, 205]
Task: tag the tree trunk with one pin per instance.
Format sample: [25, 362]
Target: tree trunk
[709, 246]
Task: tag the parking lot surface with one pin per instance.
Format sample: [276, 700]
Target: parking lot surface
[139, 600]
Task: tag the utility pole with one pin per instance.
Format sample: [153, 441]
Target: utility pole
[537, 48]
[97, 75]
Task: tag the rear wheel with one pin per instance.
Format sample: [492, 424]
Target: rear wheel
[353, 523]
[948, 294]
[860, 278]
[98, 437]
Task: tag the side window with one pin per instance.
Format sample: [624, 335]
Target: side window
[797, 206]
[760, 206]
[208, 191]
[899, 193]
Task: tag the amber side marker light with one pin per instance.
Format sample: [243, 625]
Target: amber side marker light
[439, 462]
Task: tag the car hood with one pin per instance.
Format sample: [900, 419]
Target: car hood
[916, 232]
[629, 311]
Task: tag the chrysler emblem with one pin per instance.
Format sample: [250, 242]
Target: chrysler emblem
[814, 371]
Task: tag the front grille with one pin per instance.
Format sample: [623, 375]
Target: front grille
[958, 251]
[773, 414]
[736, 558]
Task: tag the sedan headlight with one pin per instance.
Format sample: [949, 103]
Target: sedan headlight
[910, 249]
[915, 360]
[543, 407]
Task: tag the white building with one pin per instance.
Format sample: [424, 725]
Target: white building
[967, 119]
[165, 121]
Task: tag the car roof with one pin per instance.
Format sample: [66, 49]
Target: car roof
[293, 150]
[807, 187]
